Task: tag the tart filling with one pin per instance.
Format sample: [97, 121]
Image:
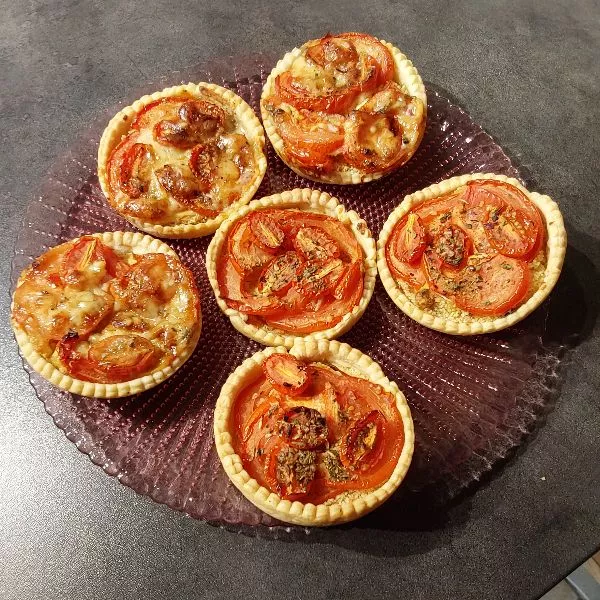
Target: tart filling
[174, 163]
[294, 264]
[345, 108]
[107, 314]
[317, 428]
[476, 253]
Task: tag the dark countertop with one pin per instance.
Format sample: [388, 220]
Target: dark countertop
[529, 74]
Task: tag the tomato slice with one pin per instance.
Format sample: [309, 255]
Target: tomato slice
[412, 274]
[314, 244]
[411, 239]
[326, 316]
[203, 164]
[513, 224]
[363, 445]
[266, 230]
[495, 287]
[85, 252]
[312, 137]
[266, 408]
[163, 108]
[245, 251]
[351, 280]
[290, 472]
[198, 122]
[279, 274]
[231, 289]
[333, 51]
[136, 170]
[114, 359]
[452, 245]
[317, 277]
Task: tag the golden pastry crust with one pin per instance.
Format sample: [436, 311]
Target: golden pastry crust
[555, 253]
[246, 120]
[345, 507]
[140, 244]
[406, 75]
[312, 201]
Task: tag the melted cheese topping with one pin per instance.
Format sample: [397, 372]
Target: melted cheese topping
[62, 303]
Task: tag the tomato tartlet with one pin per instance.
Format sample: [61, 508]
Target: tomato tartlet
[293, 265]
[314, 436]
[177, 162]
[344, 109]
[472, 254]
[107, 315]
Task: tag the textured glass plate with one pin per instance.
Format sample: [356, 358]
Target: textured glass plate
[472, 399]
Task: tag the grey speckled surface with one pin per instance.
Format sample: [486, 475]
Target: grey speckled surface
[528, 72]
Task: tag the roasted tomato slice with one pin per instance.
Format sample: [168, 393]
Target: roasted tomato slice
[286, 373]
[443, 280]
[350, 281]
[245, 251]
[198, 122]
[304, 428]
[279, 274]
[290, 472]
[334, 52]
[136, 170]
[512, 222]
[319, 317]
[363, 445]
[316, 136]
[315, 244]
[268, 408]
[452, 245]
[396, 252]
[158, 110]
[90, 260]
[111, 360]
[318, 277]
[186, 189]
[410, 239]
[203, 164]
[266, 230]
[494, 287]
[374, 142]
[231, 286]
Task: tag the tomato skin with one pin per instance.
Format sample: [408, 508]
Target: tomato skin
[412, 274]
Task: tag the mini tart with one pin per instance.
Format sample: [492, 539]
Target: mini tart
[412, 117]
[445, 316]
[346, 506]
[310, 201]
[140, 175]
[172, 344]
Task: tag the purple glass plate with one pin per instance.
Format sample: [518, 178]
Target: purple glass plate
[472, 399]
